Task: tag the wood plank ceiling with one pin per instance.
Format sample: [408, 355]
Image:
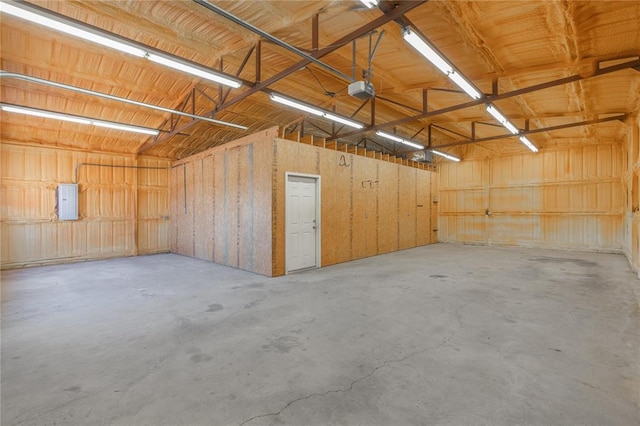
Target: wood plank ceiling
[501, 46]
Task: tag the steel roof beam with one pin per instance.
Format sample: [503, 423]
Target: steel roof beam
[392, 15]
[533, 131]
[497, 97]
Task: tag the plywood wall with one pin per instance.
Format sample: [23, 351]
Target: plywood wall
[368, 207]
[221, 204]
[122, 211]
[569, 198]
[632, 186]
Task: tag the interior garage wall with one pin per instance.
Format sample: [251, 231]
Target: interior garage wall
[122, 211]
[221, 204]
[632, 186]
[569, 198]
[369, 206]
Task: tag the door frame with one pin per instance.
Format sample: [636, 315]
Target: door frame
[286, 218]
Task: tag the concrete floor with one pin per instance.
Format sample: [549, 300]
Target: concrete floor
[443, 334]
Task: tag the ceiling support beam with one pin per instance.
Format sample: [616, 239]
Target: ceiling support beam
[259, 61]
[391, 101]
[393, 14]
[531, 132]
[244, 24]
[319, 128]
[315, 31]
[222, 96]
[497, 97]
[365, 29]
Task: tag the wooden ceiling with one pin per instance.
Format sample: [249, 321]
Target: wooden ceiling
[499, 45]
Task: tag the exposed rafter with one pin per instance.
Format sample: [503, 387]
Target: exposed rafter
[496, 97]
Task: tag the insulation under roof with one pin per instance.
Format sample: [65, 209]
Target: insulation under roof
[500, 46]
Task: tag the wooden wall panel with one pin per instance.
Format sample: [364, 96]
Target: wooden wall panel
[632, 192]
[568, 198]
[220, 226]
[423, 209]
[407, 204]
[118, 215]
[364, 236]
[153, 206]
[202, 231]
[207, 210]
[185, 217]
[228, 221]
[388, 209]
[175, 205]
[362, 201]
[262, 207]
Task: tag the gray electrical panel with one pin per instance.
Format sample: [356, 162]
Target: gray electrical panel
[68, 201]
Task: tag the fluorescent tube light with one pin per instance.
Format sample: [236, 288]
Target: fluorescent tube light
[315, 111]
[370, 3]
[77, 119]
[502, 119]
[124, 127]
[44, 114]
[412, 144]
[296, 105]
[528, 143]
[441, 63]
[397, 139]
[73, 30]
[190, 69]
[496, 114]
[389, 136]
[464, 85]
[343, 120]
[426, 50]
[97, 36]
[445, 155]
[510, 127]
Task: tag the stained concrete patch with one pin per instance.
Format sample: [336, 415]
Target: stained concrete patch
[215, 307]
[282, 344]
[199, 357]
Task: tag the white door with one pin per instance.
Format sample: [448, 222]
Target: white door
[302, 223]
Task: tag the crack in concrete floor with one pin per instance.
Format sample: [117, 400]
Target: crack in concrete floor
[444, 342]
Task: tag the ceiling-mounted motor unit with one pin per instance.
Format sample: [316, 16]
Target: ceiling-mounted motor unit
[362, 90]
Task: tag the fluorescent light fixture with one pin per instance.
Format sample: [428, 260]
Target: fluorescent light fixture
[412, 144]
[44, 114]
[441, 63]
[77, 119]
[125, 127]
[73, 30]
[445, 155]
[20, 10]
[528, 143]
[389, 136]
[510, 127]
[297, 105]
[426, 50]
[315, 111]
[502, 119]
[496, 114]
[190, 69]
[464, 85]
[397, 139]
[342, 120]
[370, 3]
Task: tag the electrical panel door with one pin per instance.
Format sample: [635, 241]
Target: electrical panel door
[68, 201]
